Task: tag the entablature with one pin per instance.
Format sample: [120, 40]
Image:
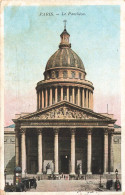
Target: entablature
[65, 82]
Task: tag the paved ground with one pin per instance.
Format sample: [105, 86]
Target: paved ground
[66, 185]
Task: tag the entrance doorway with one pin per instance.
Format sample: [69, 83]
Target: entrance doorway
[65, 164]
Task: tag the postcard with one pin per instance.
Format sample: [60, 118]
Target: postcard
[62, 97]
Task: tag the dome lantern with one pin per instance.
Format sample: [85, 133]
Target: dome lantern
[64, 38]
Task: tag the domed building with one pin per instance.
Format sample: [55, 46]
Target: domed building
[64, 135]
[64, 79]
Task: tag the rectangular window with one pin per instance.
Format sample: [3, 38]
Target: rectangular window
[52, 74]
[80, 75]
[57, 74]
[64, 74]
[73, 74]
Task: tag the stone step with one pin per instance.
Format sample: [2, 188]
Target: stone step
[83, 176]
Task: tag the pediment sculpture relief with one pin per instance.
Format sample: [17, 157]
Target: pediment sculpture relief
[63, 113]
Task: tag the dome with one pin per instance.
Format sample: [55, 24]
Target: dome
[65, 57]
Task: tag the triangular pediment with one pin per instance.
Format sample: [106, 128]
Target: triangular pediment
[65, 110]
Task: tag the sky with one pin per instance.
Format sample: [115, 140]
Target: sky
[32, 35]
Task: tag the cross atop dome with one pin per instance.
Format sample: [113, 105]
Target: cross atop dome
[64, 24]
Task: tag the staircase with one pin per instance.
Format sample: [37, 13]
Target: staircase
[67, 177]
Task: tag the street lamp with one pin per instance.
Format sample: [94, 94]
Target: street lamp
[116, 172]
[5, 171]
[25, 173]
[100, 185]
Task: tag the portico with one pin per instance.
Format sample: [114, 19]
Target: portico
[75, 142]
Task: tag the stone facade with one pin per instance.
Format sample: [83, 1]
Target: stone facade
[117, 148]
[9, 149]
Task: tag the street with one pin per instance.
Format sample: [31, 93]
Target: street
[68, 185]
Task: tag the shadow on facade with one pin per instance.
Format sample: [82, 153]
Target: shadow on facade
[10, 166]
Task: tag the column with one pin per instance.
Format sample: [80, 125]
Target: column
[42, 98]
[73, 95]
[72, 152]
[105, 151]
[56, 131]
[89, 152]
[56, 95]
[68, 94]
[17, 148]
[111, 152]
[79, 96]
[61, 93]
[86, 98]
[50, 97]
[90, 99]
[83, 98]
[46, 100]
[37, 100]
[39, 131]
[23, 151]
